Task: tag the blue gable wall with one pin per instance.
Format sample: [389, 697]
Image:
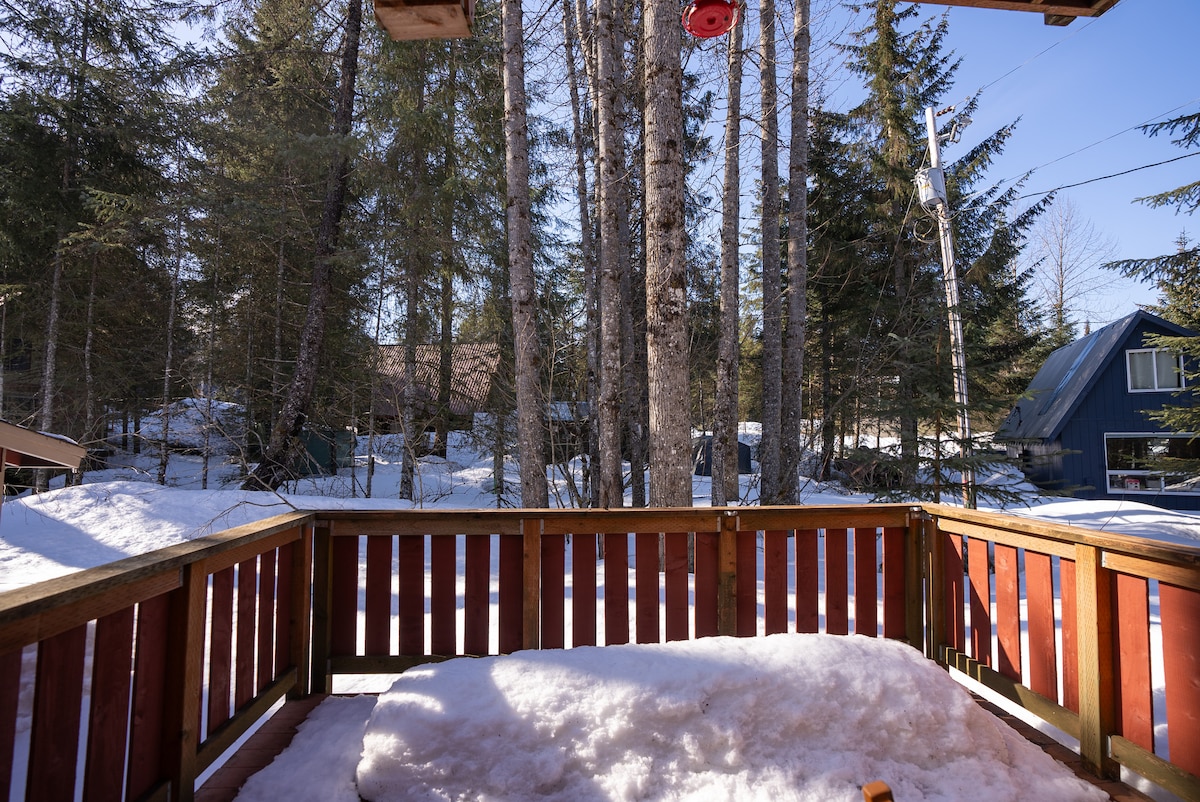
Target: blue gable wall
[1109, 407]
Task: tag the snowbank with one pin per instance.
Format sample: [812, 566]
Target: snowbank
[786, 717]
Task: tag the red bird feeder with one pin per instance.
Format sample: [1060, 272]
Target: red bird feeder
[709, 18]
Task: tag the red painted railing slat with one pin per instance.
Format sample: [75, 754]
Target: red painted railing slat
[443, 599]
[410, 556]
[1008, 612]
[1043, 655]
[377, 618]
[747, 585]
[477, 593]
[57, 696]
[1070, 629]
[108, 720]
[510, 593]
[952, 578]
[149, 684]
[808, 611]
[1131, 621]
[10, 691]
[706, 580]
[1180, 609]
[980, 595]
[247, 601]
[554, 593]
[895, 624]
[584, 559]
[866, 582]
[645, 591]
[616, 588]
[837, 566]
[220, 647]
[775, 584]
[675, 581]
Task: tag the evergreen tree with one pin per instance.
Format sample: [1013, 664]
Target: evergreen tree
[908, 72]
[1177, 277]
[88, 126]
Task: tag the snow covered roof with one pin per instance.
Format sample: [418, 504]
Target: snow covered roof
[25, 448]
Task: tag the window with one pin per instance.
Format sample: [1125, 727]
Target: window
[1153, 369]
[1152, 463]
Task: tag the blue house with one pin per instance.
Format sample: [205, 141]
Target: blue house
[1083, 428]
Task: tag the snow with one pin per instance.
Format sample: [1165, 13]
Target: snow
[784, 717]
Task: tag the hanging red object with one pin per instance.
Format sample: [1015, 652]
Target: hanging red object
[709, 18]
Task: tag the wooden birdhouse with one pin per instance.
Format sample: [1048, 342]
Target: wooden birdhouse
[426, 19]
[1058, 12]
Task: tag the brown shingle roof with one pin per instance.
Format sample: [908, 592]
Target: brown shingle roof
[472, 366]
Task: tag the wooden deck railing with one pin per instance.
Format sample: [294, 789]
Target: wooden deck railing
[144, 671]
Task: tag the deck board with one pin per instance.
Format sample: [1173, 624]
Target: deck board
[257, 753]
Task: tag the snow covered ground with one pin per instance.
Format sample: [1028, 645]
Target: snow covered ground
[669, 741]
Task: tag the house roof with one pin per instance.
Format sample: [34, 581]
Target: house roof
[1058, 12]
[472, 367]
[25, 448]
[1068, 375]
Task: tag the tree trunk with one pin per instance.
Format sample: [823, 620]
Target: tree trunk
[273, 470]
[408, 426]
[89, 375]
[530, 412]
[791, 446]
[587, 258]
[772, 318]
[725, 485]
[612, 254]
[666, 277]
[164, 452]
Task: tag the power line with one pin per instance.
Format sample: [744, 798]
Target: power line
[1106, 177]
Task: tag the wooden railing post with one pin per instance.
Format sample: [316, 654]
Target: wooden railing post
[531, 576]
[1097, 698]
[322, 566]
[914, 588]
[933, 567]
[184, 676]
[300, 610]
[727, 574]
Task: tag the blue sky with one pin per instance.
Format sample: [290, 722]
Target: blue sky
[1136, 63]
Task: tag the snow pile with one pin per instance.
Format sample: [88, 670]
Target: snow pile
[196, 423]
[786, 717]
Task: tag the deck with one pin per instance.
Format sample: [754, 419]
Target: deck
[149, 669]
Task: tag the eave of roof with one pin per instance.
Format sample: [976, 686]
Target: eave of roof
[25, 448]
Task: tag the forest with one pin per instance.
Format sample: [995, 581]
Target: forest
[258, 204]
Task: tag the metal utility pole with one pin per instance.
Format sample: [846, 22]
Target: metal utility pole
[931, 187]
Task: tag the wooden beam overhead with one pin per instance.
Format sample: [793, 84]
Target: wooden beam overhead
[1057, 12]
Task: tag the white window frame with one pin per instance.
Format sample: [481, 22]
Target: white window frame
[1122, 481]
[1156, 353]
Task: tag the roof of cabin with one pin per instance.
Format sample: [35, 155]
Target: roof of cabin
[1058, 12]
[25, 448]
[1068, 375]
[472, 366]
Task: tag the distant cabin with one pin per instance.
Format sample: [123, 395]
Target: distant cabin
[472, 369]
[1083, 428]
